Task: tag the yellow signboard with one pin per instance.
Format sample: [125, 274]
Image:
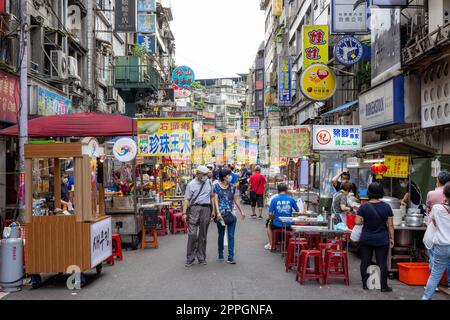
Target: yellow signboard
[159, 137]
[315, 44]
[277, 8]
[318, 82]
[397, 166]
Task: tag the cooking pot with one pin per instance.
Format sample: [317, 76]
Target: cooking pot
[414, 219]
[393, 202]
[403, 238]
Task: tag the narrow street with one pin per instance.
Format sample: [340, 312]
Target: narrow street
[259, 274]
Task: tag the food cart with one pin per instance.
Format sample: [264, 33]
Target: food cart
[62, 239]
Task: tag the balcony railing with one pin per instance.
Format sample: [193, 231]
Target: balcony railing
[131, 73]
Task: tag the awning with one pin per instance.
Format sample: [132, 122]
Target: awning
[399, 146]
[87, 124]
[342, 108]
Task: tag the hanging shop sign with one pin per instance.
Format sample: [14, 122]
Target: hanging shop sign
[164, 137]
[294, 141]
[397, 166]
[390, 3]
[183, 77]
[125, 16]
[348, 51]
[241, 151]
[9, 97]
[277, 8]
[51, 103]
[318, 82]
[146, 5]
[345, 18]
[284, 80]
[148, 41]
[125, 150]
[337, 138]
[101, 241]
[315, 44]
[251, 123]
[383, 105]
[146, 23]
[91, 148]
[252, 152]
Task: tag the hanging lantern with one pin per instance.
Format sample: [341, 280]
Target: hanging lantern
[378, 169]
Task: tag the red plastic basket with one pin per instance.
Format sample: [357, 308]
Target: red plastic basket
[416, 273]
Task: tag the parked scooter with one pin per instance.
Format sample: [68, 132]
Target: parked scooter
[243, 187]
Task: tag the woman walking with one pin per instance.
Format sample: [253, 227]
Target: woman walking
[377, 234]
[225, 198]
[440, 215]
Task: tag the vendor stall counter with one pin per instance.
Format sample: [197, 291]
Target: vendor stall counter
[59, 240]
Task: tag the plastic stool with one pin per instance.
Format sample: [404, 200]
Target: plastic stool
[291, 251]
[117, 246]
[342, 257]
[162, 231]
[275, 240]
[314, 241]
[177, 223]
[304, 272]
[154, 242]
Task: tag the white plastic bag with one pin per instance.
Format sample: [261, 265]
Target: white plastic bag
[428, 238]
[6, 232]
[356, 233]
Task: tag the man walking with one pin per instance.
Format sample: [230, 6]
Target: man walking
[257, 187]
[197, 211]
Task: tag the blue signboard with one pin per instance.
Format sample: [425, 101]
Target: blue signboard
[51, 103]
[148, 41]
[146, 5]
[348, 51]
[146, 23]
[284, 80]
[183, 77]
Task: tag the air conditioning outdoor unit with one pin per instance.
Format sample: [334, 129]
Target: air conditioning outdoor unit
[111, 94]
[59, 66]
[73, 68]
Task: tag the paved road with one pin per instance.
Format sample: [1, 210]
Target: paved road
[258, 274]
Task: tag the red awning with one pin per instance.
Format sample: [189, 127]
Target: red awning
[87, 124]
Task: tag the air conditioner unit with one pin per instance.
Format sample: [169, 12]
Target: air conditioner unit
[111, 94]
[59, 66]
[73, 68]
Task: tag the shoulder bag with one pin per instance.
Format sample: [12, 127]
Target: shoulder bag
[254, 193]
[192, 202]
[357, 229]
[228, 216]
[428, 238]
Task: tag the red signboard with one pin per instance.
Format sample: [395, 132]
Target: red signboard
[9, 97]
[2, 5]
[259, 85]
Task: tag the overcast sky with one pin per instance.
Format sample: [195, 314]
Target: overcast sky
[217, 38]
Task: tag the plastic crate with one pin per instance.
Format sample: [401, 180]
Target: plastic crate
[416, 273]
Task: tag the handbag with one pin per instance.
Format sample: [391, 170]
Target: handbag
[357, 229]
[428, 238]
[252, 192]
[228, 216]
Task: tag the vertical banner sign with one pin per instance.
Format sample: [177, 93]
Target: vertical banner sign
[315, 44]
[230, 148]
[148, 41]
[397, 166]
[284, 80]
[9, 97]
[277, 8]
[165, 137]
[294, 141]
[252, 152]
[125, 16]
[244, 122]
[146, 23]
[274, 146]
[241, 152]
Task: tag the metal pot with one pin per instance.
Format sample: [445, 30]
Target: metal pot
[414, 219]
[393, 202]
[403, 238]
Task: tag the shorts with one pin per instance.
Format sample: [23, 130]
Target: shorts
[269, 223]
[257, 199]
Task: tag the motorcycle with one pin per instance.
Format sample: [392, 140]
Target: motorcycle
[243, 187]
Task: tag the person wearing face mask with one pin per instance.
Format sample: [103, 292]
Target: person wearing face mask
[345, 177]
[225, 198]
[65, 188]
[198, 199]
[416, 198]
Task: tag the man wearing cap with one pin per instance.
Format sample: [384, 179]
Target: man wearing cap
[199, 199]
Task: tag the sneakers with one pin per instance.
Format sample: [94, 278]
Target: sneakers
[220, 259]
[189, 264]
[203, 262]
[268, 246]
[231, 261]
[387, 289]
[253, 216]
[260, 218]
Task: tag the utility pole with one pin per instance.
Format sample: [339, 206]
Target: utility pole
[23, 122]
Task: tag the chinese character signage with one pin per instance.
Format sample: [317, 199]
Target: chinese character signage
[284, 80]
[252, 152]
[9, 97]
[50, 103]
[146, 5]
[183, 77]
[345, 18]
[148, 41]
[101, 241]
[125, 16]
[146, 23]
[318, 82]
[164, 137]
[397, 166]
[252, 123]
[337, 138]
[348, 50]
[294, 141]
[277, 8]
[315, 45]
[241, 152]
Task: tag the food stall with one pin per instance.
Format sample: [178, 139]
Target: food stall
[61, 234]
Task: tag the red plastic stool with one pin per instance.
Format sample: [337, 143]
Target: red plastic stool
[303, 270]
[275, 239]
[314, 241]
[177, 223]
[162, 231]
[339, 272]
[117, 249]
[324, 248]
[291, 251]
